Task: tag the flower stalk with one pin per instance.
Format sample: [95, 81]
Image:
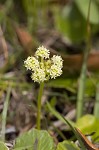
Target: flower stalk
[39, 105]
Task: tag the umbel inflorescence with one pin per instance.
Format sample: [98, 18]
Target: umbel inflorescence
[42, 66]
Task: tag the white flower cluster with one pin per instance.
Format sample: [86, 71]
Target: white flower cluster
[43, 68]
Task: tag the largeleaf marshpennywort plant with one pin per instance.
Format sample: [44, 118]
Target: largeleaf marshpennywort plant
[42, 69]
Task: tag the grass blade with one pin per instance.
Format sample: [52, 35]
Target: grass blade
[67, 122]
[4, 114]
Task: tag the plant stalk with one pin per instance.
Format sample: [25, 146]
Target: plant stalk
[82, 80]
[4, 114]
[39, 105]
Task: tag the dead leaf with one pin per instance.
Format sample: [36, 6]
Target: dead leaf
[86, 142]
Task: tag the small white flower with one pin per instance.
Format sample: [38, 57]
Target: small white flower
[57, 60]
[38, 75]
[42, 52]
[55, 71]
[31, 63]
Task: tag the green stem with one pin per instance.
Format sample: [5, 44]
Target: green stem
[4, 114]
[82, 80]
[39, 105]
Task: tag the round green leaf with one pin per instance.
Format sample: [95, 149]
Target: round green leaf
[66, 145]
[35, 140]
[88, 124]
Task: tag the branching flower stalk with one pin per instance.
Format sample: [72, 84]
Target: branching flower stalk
[43, 68]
